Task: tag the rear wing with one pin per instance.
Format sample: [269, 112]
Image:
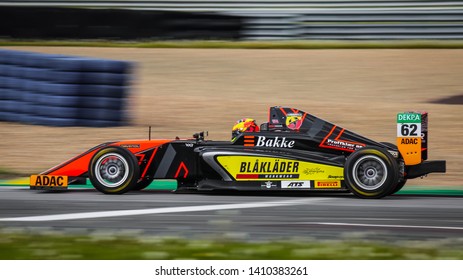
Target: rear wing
[412, 136]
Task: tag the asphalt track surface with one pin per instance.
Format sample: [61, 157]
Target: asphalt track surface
[248, 216]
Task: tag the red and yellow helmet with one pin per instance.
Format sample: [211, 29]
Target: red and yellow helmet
[244, 125]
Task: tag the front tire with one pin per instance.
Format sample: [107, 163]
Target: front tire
[113, 170]
[371, 172]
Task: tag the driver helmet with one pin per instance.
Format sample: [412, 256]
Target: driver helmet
[244, 125]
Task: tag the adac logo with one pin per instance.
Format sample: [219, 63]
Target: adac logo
[408, 141]
[294, 121]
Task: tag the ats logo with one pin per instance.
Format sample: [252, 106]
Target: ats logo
[295, 185]
[328, 184]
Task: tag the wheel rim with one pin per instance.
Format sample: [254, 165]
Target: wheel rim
[111, 170]
[369, 172]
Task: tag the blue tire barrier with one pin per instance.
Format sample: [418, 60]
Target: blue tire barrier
[92, 78]
[76, 101]
[49, 121]
[15, 83]
[100, 78]
[2, 114]
[105, 91]
[10, 116]
[3, 82]
[25, 110]
[3, 69]
[31, 86]
[4, 94]
[8, 82]
[25, 107]
[14, 94]
[14, 71]
[3, 56]
[102, 102]
[37, 74]
[101, 114]
[59, 90]
[15, 57]
[99, 123]
[74, 64]
[11, 106]
[36, 60]
[84, 90]
[79, 113]
[6, 105]
[62, 77]
[108, 66]
[56, 112]
[30, 96]
[59, 101]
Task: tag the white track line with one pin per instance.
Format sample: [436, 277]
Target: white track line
[385, 226]
[119, 213]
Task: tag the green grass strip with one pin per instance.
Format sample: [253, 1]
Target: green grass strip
[164, 185]
[19, 244]
[442, 192]
[302, 44]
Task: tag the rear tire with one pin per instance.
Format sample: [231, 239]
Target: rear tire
[113, 170]
[399, 186]
[371, 172]
[402, 183]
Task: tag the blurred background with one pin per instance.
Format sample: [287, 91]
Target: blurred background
[74, 74]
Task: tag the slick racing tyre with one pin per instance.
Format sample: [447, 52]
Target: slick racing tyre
[399, 186]
[371, 172]
[402, 183]
[113, 170]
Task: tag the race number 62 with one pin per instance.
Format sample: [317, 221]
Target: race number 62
[408, 125]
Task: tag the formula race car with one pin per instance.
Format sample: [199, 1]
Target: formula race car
[294, 150]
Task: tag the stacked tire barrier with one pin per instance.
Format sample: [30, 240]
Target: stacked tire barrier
[56, 90]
